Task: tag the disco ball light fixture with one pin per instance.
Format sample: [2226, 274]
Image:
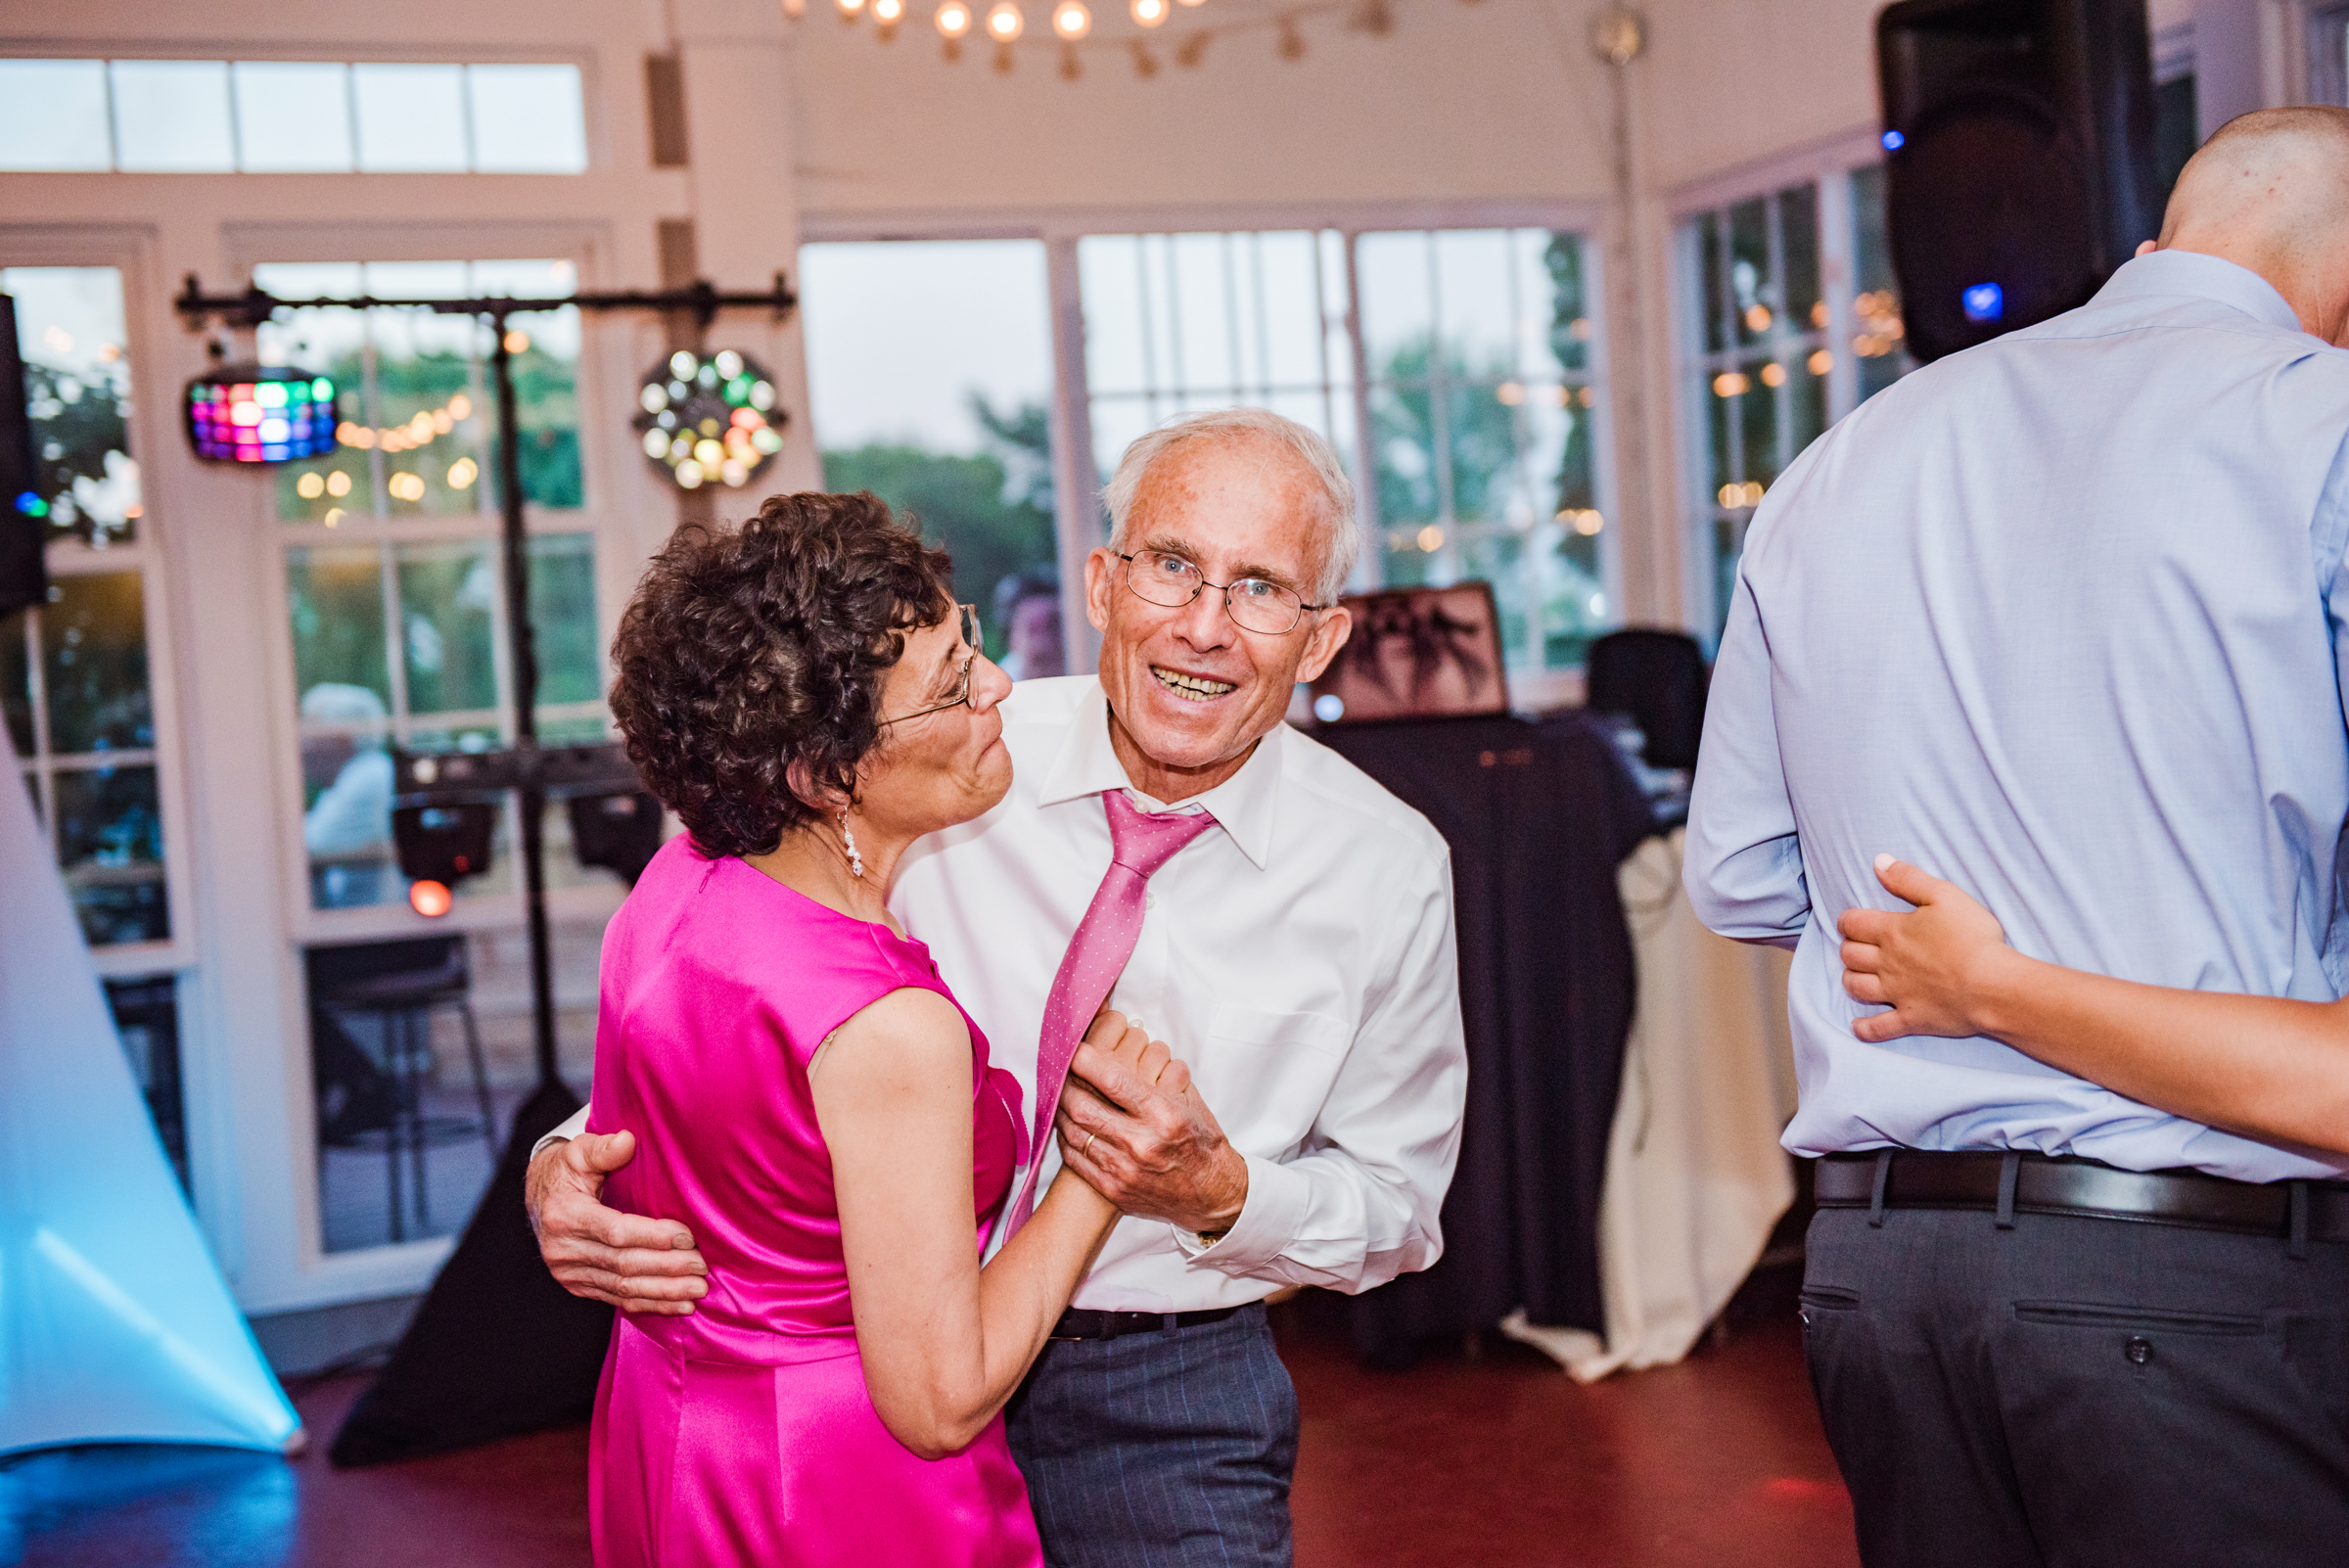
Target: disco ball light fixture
[260, 414]
[709, 421]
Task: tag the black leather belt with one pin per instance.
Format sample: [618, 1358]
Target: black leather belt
[1077, 1322]
[2008, 1184]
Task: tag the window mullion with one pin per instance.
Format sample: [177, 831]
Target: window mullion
[1365, 436]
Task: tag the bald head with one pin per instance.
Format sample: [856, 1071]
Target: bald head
[2269, 191]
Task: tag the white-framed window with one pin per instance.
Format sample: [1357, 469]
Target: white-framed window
[393, 586]
[931, 383]
[393, 578]
[79, 683]
[1789, 318]
[276, 117]
[1455, 369]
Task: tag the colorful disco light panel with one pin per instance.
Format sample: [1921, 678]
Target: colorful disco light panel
[256, 414]
[709, 421]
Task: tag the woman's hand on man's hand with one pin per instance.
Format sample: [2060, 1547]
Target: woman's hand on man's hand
[1927, 965]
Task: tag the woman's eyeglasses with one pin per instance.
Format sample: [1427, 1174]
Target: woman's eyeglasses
[962, 682]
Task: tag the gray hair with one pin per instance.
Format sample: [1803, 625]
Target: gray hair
[1344, 530]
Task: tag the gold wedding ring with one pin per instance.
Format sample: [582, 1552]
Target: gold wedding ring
[1086, 1152]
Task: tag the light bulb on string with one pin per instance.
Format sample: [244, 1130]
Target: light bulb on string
[953, 21]
[1006, 22]
[1148, 13]
[1193, 50]
[1072, 20]
[1292, 42]
[1071, 67]
[1145, 64]
[850, 10]
[1190, 2]
[888, 14]
[794, 10]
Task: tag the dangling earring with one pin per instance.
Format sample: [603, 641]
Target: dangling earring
[855, 860]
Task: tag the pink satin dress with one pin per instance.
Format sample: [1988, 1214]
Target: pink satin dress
[743, 1435]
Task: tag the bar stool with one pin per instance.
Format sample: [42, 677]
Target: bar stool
[399, 986]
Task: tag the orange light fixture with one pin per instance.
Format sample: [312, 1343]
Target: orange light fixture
[431, 900]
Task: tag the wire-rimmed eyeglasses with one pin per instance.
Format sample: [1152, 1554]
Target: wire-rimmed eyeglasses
[962, 684]
[1255, 604]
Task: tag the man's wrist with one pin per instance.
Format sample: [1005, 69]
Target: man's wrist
[1233, 1179]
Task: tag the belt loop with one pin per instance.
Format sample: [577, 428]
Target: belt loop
[1167, 1322]
[2297, 1246]
[1876, 1196]
[2010, 1170]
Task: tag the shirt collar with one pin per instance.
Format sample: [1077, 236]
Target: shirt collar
[1242, 805]
[2208, 277]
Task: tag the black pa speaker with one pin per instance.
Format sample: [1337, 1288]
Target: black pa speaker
[23, 537]
[619, 832]
[2022, 168]
[444, 844]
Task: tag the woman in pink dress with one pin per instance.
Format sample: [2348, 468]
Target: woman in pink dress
[804, 695]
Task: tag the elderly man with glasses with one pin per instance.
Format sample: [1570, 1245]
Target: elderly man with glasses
[1170, 849]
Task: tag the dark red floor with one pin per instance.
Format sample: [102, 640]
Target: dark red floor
[1497, 1462]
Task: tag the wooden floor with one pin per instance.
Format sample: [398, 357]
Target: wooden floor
[1495, 1461]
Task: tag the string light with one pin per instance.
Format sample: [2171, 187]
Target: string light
[953, 22]
[794, 10]
[1005, 25]
[420, 430]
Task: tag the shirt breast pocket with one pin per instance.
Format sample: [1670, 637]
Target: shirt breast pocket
[1267, 1073]
[1255, 1026]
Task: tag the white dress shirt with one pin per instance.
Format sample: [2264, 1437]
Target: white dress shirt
[1297, 956]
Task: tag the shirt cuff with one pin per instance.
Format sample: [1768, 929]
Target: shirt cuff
[1268, 1220]
[572, 1127]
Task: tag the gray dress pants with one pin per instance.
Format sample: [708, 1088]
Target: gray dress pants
[1171, 1450]
[2078, 1393]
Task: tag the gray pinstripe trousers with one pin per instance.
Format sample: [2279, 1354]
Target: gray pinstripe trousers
[1171, 1450]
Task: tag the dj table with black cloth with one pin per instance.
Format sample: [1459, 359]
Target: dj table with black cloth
[1539, 815]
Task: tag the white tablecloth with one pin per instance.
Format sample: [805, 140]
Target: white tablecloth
[1695, 1177]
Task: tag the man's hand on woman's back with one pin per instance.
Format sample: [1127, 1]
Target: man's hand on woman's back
[634, 1263]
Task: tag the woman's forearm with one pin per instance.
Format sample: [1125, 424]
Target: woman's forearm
[1024, 1289]
[2262, 1066]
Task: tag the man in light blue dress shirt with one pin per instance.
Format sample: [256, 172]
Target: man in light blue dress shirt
[2060, 619]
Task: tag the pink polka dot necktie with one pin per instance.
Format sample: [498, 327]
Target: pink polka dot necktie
[1140, 843]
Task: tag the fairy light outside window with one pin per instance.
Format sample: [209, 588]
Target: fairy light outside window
[1790, 305]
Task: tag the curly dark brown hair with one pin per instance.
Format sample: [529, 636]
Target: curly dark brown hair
[745, 651]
